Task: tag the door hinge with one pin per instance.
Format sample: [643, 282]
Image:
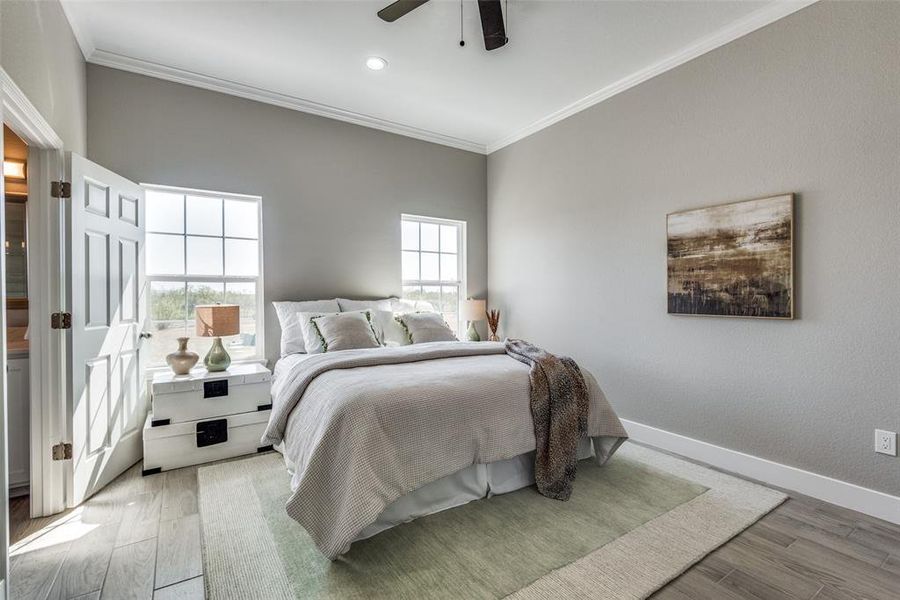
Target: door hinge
[60, 189]
[61, 320]
[61, 451]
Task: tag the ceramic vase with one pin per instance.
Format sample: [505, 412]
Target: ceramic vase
[217, 359]
[182, 360]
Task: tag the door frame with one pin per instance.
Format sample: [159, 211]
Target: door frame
[46, 291]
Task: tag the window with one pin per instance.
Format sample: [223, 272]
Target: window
[433, 258]
[202, 248]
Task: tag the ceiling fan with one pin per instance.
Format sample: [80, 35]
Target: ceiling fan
[491, 19]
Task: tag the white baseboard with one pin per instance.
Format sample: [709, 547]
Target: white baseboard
[870, 502]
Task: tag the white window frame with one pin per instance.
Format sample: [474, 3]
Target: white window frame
[461, 259]
[260, 354]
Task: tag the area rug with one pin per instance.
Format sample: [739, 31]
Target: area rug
[629, 528]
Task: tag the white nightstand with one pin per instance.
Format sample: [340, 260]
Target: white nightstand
[203, 416]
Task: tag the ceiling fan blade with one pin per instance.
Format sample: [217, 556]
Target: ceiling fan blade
[392, 12]
[492, 24]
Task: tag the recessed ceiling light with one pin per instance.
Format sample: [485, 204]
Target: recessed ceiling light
[376, 63]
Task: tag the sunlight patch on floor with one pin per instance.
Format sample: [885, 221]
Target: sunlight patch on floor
[67, 528]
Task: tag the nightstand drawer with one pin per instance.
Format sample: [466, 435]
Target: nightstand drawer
[192, 443]
[203, 395]
[211, 398]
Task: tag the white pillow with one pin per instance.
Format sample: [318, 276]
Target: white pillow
[352, 305]
[291, 332]
[311, 339]
[388, 330]
[399, 306]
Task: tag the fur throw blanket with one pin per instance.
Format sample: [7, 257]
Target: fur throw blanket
[559, 408]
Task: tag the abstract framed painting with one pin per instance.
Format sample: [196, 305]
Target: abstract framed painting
[733, 260]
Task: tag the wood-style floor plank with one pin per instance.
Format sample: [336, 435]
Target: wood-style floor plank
[758, 561]
[820, 517]
[695, 584]
[179, 494]
[749, 586]
[141, 533]
[178, 551]
[670, 592]
[876, 538]
[130, 573]
[32, 573]
[829, 593]
[843, 572]
[140, 520]
[85, 565]
[714, 567]
[192, 589]
[892, 564]
[845, 545]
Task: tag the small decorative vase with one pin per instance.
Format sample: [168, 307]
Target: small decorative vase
[472, 333]
[182, 360]
[217, 359]
[493, 318]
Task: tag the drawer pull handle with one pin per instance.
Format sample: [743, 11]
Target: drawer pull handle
[215, 389]
[210, 433]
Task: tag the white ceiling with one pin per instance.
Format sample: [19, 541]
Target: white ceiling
[562, 55]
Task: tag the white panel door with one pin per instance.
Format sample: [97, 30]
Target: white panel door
[107, 402]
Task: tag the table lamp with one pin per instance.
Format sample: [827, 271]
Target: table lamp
[215, 321]
[472, 311]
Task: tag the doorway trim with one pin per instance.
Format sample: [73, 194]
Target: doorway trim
[47, 390]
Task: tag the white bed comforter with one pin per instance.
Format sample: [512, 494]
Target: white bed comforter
[364, 427]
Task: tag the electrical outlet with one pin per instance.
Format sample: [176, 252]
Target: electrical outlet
[886, 442]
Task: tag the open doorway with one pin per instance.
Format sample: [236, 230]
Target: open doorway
[15, 245]
[32, 160]
[31, 282]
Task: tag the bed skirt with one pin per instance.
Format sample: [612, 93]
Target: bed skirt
[472, 483]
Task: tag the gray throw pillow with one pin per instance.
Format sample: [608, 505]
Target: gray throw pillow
[426, 327]
[346, 331]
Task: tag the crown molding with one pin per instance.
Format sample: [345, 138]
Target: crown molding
[143, 67]
[23, 118]
[766, 15]
[756, 20]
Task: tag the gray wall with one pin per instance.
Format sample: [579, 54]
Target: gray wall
[332, 192]
[39, 52]
[577, 242]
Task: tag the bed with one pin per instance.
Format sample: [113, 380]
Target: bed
[377, 437]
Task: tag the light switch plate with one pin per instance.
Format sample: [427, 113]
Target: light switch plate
[886, 442]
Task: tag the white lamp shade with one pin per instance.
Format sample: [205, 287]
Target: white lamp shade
[472, 310]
